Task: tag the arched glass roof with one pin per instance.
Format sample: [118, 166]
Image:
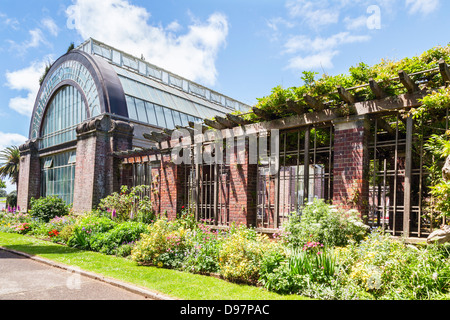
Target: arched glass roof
[152, 88]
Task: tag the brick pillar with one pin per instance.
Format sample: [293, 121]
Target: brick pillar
[243, 180]
[169, 188]
[351, 164]
[29, 185]
[97, 172]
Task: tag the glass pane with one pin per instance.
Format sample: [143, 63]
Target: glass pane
[184, 119]
[169, 118]
[151, 114]
[131, 108]
[160, 116]
[140, 107]
[177, 118]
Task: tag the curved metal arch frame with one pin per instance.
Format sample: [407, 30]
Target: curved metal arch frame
[55, 91]
[109, 88]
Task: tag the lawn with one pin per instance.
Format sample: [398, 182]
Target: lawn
[176, 284]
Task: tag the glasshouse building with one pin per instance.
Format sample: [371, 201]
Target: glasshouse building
[95, 101]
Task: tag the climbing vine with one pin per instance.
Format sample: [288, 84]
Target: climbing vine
[385, 73]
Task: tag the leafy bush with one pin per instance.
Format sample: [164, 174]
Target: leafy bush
[242, 253]
[56, 224]
[382, 268]
[295, 270]
[124, 233]
[164, 245]
[131, 204]
[202, 253]
[66, 233]
[86, 228]
[48, 208]
[320, 222]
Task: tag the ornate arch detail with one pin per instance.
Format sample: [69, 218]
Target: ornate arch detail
[96, 80]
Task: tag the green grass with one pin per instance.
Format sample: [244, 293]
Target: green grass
[176, 284]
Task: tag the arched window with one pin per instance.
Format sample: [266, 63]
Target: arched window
[65, 111]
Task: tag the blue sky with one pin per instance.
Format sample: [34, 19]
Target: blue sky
[240, 48]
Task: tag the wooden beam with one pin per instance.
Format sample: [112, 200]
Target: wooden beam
[383, 124]
[346, 96]
[313, 103]
[295, 106]
[262, 114]
[160, 135]
[225, 122]
[153, 138]
[408, 177]
[306, 163]
[190, 130]
[407, 82]
[193, 126]
[238, 120]
[376, 89]
[168, 131]
[214, 124]
[445, 71]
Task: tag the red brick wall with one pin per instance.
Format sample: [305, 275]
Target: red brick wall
[243, 197]
[350, 169]
[169, 188]
[29, 176]
[97, 173]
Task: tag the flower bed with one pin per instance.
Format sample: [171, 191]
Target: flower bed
[345, 262]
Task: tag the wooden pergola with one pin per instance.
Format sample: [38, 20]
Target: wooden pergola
[233, 125]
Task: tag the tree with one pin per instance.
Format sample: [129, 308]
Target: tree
[9, 164]
[2, 184]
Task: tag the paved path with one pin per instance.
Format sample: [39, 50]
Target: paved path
[22, 278]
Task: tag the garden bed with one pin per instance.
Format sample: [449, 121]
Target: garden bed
[326, 254]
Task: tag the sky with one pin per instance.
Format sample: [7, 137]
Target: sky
[241, 49]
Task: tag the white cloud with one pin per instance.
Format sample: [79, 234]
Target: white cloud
[11, 139]
[51, 26]
[306, 44]
[355, 23]
[310, 62]
[10, 22]
[36, 39]
[27, 80]
[314, 14]
[318, 52]
[422, 6]
[126, 26]
[8, 140]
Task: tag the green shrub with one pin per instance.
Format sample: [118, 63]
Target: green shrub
[127, 232]
[129, 204]
[202, 253]
[164, 245]
[86, 228]
[383, 268]
[67, 232]
[48, 208]
[242, 253]
[323, 223]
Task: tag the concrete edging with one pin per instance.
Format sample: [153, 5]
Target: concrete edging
[123, 285]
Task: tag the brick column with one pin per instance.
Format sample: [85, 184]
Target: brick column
[29, 185]
[97, 172]
[169, 188]
[351, 163]
[243, 179]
